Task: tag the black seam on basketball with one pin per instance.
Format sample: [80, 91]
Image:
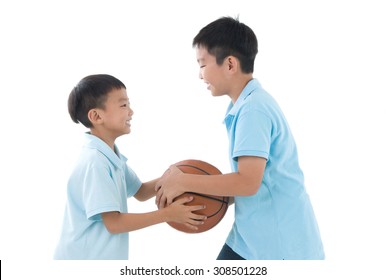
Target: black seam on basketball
[202, 170]
[223, 203]
[218, 211]
[210, 197]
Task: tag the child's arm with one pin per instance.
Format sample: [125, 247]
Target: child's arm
[245, 182]
[147, 190]
[116, 222]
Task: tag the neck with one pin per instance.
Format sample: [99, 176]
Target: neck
[239, 86]
[110, 141]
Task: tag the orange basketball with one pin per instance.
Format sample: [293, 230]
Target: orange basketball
[216, 206]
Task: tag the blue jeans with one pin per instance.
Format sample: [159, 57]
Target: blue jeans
[227, 253]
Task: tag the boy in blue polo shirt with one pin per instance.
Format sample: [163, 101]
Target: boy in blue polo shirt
[274, 218]
[96, 222]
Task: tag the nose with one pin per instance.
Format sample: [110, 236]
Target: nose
[131, 112]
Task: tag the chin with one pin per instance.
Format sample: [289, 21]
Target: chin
[127, 131]
[215, 94]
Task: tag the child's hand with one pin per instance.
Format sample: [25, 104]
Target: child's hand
[168, 188]
[180, 213]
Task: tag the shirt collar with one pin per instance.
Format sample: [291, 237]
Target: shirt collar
[94, 142]
[248, 89]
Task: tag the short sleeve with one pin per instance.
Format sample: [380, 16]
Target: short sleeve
[252, 134]
[100, 192]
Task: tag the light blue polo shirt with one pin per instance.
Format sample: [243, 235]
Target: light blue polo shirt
[101, 182]
[277, 222]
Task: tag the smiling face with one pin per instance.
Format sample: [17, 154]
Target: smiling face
[114, 119]
[117, 113]
[214, 75]
[225, 79]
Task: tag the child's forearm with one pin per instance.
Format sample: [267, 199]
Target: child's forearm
[245, 182]
[116, 222]
[146, 191]
[232, 184]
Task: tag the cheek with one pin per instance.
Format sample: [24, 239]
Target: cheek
[211, 73]
[206, 74]
[201, 73]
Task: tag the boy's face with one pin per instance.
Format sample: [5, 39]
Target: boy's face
[214, 75]
[117, 113]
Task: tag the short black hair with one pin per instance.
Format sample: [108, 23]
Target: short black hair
[227, 36]
[91, 92]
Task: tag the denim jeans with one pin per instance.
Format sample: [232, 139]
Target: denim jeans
[227, 253]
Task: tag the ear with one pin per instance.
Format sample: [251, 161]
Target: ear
[94, 115]
[232, 64]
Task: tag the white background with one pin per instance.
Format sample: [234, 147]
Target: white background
[323, 61]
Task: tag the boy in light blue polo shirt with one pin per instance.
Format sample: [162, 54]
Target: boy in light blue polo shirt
[274, 218]
[96, 222]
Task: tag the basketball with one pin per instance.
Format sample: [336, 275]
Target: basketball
[216, 206]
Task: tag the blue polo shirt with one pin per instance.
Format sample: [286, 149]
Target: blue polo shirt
[277, 222]
[101, 182]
